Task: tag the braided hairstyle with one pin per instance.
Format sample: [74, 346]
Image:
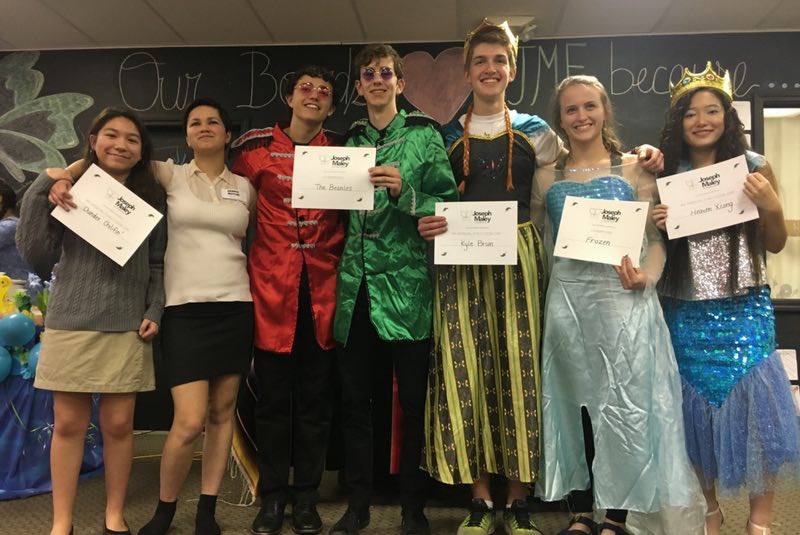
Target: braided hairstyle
[496, 36]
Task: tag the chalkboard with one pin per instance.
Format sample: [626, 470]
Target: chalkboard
[47, 99]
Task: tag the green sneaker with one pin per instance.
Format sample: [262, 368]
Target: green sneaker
[480, 520]
[518, 520]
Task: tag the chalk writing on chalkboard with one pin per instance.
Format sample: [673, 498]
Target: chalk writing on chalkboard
[656, 79]
[33, 128]
[141, 84]
[248, 81]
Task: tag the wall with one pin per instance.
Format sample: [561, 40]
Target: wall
[47, 99]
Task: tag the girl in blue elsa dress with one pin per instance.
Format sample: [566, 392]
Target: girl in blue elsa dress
[741, 425]
[612, 429]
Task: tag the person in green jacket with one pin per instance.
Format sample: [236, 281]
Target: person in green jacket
[384, 292]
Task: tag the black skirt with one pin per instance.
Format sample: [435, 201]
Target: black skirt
[201, 341]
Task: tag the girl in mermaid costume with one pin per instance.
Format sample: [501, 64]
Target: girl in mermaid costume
[741, 425]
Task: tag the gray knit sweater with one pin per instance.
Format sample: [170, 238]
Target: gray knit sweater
[91, 292]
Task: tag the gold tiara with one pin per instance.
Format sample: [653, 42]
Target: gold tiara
[487, 25]
[693, 80]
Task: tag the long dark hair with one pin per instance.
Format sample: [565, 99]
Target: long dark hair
[732, 143]
[141, 179]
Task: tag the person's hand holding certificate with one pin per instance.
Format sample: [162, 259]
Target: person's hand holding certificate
[708, 198]
[599, 230]
[109, 216]
[478, 233]
[333, 177]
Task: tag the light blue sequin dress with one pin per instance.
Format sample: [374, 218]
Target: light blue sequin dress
[741, 424]
[608, 349]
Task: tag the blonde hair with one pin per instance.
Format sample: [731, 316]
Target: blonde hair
[610, 140]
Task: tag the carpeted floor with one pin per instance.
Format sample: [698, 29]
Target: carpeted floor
[32, 515]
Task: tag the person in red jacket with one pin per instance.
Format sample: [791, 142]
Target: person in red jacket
[292, 265]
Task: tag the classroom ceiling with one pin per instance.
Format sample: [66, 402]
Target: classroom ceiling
[61, 24]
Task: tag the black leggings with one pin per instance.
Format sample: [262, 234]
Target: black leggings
[582, 501]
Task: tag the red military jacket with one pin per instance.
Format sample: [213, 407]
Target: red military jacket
[285, 240]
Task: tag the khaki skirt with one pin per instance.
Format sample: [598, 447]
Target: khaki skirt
[93, 361]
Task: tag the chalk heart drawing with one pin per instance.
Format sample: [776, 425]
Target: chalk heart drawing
[436, 86]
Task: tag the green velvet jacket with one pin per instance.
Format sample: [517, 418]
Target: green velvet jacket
[383, 245]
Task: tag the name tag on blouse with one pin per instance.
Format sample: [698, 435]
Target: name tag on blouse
[233, 194]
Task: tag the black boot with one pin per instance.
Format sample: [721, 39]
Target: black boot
[162, 518]
[204, 521]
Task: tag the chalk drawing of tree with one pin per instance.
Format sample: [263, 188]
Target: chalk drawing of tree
[34, 128]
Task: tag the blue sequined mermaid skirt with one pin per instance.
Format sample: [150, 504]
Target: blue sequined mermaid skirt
[740, 420]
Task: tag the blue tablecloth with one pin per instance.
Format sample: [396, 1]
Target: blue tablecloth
[26, 427]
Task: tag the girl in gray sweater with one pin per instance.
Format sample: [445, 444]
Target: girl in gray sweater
[100, 322]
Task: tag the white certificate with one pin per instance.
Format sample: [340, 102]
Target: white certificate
[478, 233]
[706, 199]
[109, 216]
[599, 230]
[333, 177]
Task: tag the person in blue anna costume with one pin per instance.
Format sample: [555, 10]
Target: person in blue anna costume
[741, 426]
[482, 414]
[611, 392]
[383, 289]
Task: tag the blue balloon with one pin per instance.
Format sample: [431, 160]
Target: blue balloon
[33, 358]
[17, 329]
[5, 363]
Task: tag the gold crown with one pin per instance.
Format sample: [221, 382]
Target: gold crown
[693, 80]
[488, 25]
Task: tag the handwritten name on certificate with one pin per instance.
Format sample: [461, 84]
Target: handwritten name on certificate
[109, 216]
[599, 230]
[333, 177]
[478, 233]
[708, 198]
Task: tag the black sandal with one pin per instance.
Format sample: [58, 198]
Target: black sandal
[618, 530]
[580, 519]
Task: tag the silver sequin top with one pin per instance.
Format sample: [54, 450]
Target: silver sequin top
[708, 275]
